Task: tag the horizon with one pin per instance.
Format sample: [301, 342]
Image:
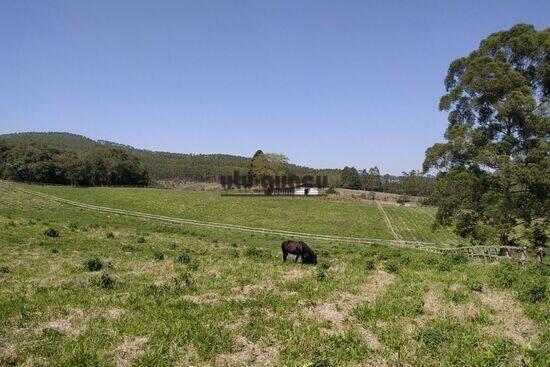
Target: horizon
[327, 84]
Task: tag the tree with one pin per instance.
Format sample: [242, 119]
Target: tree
[494, 167]
[264, 167]
[350, 178]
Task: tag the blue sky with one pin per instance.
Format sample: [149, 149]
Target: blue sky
[328, 83]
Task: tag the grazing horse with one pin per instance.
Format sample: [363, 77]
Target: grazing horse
[300, 249]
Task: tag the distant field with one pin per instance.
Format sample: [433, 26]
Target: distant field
[352, 219]
[179, 295]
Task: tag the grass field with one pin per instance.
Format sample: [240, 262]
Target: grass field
[117, 291]
[353, 219]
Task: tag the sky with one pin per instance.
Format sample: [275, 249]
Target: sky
[327, 83]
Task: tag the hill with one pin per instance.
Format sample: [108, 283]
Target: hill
[87, 288]
[161, 165]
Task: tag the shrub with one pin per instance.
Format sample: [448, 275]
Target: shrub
[392, 266]
[184, 258]
[50, 232]
[128, 248]
[474, 285]
[322, 275]
[533, 293]
[158, 255]
[183, 281]
[332, 191]
[402, 199]
[141, 239]
[456, 257]
[104, 281]
[110, 235]
[505, 274]
[4, 269]
[93, 264]
[370, 264]
[255, 252]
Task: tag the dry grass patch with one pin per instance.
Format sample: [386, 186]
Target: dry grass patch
[338, 313]
[129, 350]
[509, 319]
[248, 354]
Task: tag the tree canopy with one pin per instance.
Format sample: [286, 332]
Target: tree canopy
[494, 166]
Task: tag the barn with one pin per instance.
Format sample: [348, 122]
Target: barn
[302, 190]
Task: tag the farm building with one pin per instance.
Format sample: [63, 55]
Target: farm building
[304, 190]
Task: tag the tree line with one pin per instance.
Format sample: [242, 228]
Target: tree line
[412, 183]
[101, 166]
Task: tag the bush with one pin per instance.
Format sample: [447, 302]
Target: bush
[370, 264]
[184, 258]
[158, 255]
[403, 199]
[104, 281]
[392, 266]
[110, 235]
[128, 248]
[505, 274]
[533, 293]
[322, 275]
[456, 257]
[332, 191]
[255, 252]
[474, 285]
[50, 232]
[183, 281]
[93, 264]
[4, 269]
[141, 239]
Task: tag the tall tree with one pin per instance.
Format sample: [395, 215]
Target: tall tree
[350, 178]
[495, 166]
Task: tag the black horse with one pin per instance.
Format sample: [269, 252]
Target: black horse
[300, 249]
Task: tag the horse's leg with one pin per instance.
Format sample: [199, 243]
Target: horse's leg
[296, 260]
[285, 254]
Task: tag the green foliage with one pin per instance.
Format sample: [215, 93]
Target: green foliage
[183, 281]
[141, 240]
[350, 178]
[29, 161]
[392, 266]
[93, 264]
[103, 281]
[332, 190]
[184, 258]
[51, 232]
[497, 140]
[158, 255]
[4, 269]
[505, 274]
[534, 292]
[370, 264]
[474, 285]
[110, 235]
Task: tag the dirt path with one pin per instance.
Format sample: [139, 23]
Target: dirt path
[388, 222]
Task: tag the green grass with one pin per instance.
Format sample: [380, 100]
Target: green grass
[415, 223]
[226, 298]
[320, 216]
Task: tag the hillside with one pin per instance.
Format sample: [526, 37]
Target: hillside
[161, 165]
[86, 288]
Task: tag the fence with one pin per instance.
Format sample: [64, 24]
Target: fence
[518, 254]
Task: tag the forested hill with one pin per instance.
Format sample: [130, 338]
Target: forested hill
[160, 165]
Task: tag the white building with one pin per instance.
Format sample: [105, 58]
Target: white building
[296, 191]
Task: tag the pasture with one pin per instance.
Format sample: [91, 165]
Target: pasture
[81, 288]
[312, 215]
